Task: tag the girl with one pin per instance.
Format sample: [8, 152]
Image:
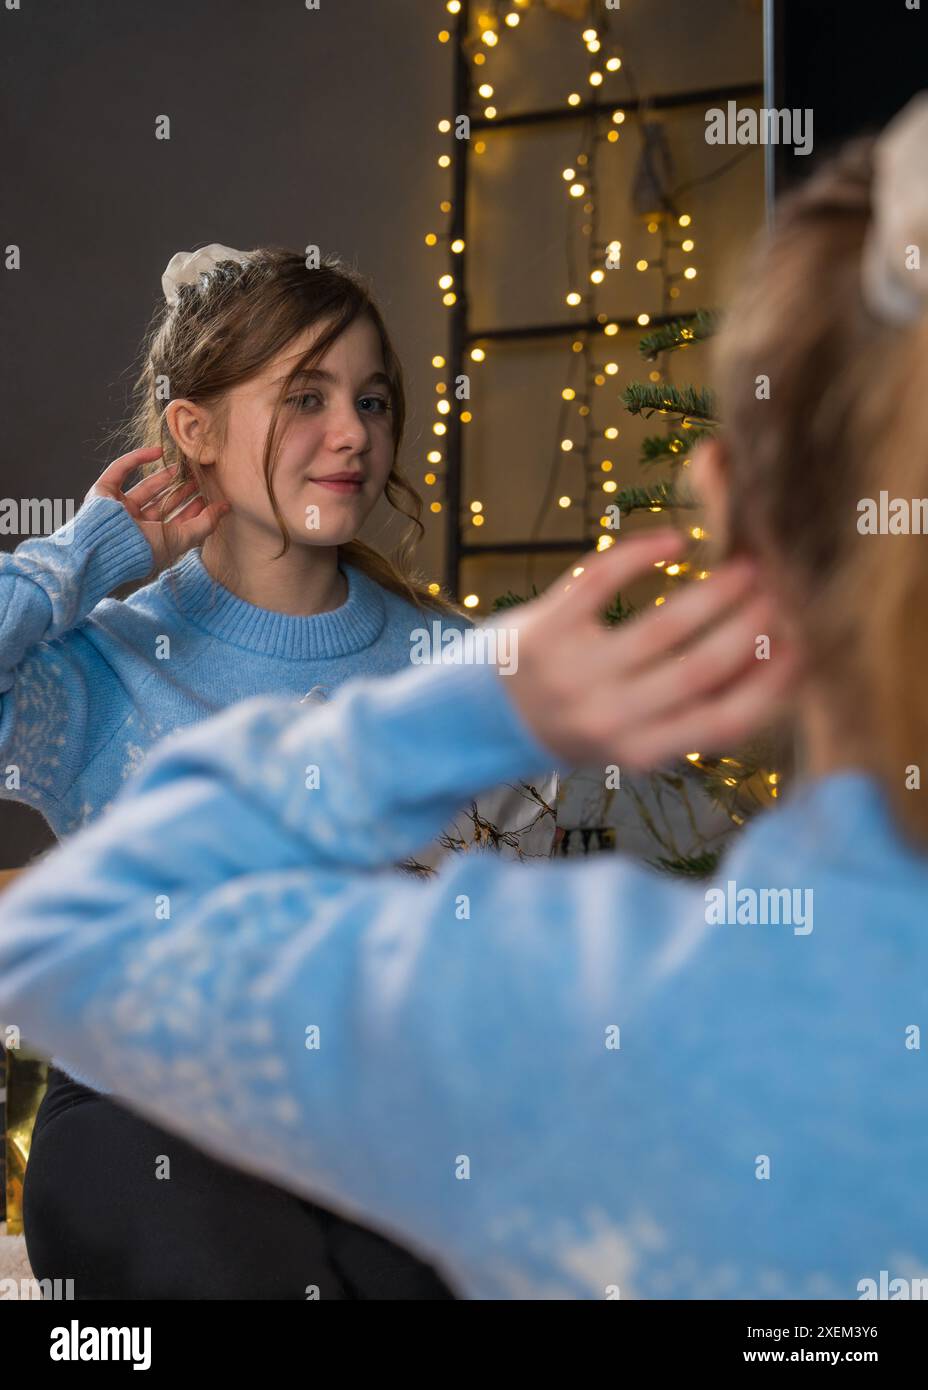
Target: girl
[257, 368]
[600, 1082]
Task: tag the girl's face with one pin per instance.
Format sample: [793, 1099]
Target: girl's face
[335, 441]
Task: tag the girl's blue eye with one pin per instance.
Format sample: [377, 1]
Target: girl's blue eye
[305, 396]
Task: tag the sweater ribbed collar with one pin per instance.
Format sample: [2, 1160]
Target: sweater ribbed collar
[208, 605]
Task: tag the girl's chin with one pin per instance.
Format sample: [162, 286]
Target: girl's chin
[327, 529]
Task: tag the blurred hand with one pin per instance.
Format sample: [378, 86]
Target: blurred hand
[682, 677]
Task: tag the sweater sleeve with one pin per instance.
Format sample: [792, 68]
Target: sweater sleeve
[227, 950]
[48, 586]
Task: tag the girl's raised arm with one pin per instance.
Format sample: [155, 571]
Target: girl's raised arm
[48, 586]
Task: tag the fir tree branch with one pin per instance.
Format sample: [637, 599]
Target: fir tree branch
[662, 496]
[673, 447]
[679, 334]
[689, 402]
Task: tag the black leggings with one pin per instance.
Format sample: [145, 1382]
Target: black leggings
[94, 1212]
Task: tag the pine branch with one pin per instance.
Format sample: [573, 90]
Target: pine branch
[689, 865]
[679, 334]
[510, 600]
[671, 447]
[618, 612]
[689, 402]
[662, 496]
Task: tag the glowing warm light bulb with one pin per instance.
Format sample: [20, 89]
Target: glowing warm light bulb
[685, 220]
[471, 601]
[430, 239]
[443, 407]
[485, 90]
[490, 38]
[613, 64]
[489, 112]
[690, 272]
[477, 354]
[688, 245]
[568, 174]
[449, 298]
[444, 127]
[434, 588]
[476, 506]
[445, 282]
[568, 393]
[434, 506]
[563, 501]
[597, 276]
[478, 520]
[576, 190]
[573, 297]
[611, 368]
[512, 19]
[611, 432]
[567, 445]
[596, 79]
[444, 160]
[574, 99]
[643, 319]
[438, 361]
[443, 36]
[694, 757]
[618, 117]
[641, 265]
[589, 35]
[610, 485]
[430, 479]
[457, 246]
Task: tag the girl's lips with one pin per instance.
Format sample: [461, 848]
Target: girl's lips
[334, 486]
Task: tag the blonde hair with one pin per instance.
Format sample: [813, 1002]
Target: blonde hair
[847, 416]
[223, 329]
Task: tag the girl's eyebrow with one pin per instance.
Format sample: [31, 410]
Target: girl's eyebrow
[320, 374]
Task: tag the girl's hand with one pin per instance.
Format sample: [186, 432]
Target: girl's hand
[680, 678]
[188, 528]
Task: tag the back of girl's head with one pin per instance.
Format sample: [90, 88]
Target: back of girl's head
[230, 323]
[845, 415]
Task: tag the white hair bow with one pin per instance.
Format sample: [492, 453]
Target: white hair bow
[894, 277]
[184, 266]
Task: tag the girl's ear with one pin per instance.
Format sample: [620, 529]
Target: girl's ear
[709, 477]
[189, 426]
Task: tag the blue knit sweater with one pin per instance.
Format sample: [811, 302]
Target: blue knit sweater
[560, 1080]
[88, 684]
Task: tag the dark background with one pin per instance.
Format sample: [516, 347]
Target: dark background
[855, 64]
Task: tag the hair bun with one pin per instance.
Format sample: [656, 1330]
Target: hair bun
[894, 281]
